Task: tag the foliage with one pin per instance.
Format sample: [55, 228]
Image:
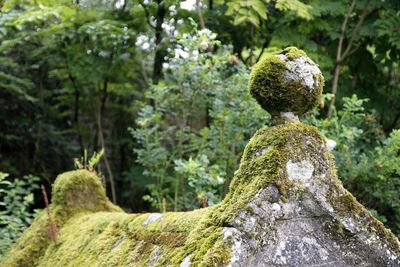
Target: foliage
[16, 198]
[198, 119]
[62, 76]
[378, 180]
[90, 164]
[255, 11]
[201, 177]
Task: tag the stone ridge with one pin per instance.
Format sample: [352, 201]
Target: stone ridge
[285, 207]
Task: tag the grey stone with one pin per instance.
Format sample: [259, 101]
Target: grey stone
[185, 262]
[303, 70]
[153, 218]
[305, 230]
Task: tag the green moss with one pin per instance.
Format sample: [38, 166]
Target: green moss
[81, 190]
[274, 94]
[116, 239]
[93, 232]
[119, 239]
[284, 200]
[292, 53]
[29, 248]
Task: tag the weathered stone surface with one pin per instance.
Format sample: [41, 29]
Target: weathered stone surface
[317, 223]
[303, 70]
[285, 207]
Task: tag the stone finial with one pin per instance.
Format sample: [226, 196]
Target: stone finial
[286, 81]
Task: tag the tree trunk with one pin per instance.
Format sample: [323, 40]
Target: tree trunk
[335, 82]
[250, 58]
[101, 141]
[38, 139]
[160, 52]
[76, 111]
[210, 4]
[200, 14]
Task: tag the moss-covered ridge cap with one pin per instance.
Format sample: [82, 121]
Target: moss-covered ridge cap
[286, 81]
[80, 190]
[263, 164]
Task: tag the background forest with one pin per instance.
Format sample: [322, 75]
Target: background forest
[158, 88]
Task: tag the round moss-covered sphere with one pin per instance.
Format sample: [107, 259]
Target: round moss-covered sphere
[286, 81]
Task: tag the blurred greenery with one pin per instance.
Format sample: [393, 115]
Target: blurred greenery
[15, 215]
[160, 88]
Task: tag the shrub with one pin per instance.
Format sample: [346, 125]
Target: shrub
[16, 198]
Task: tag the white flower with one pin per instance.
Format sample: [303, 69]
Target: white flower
[180, 53]
[172, 8]
[205, 32]
[220, 180]
[145, 46]
[330, 144]
[204, 45]
[189, 5]
[143, 42]
[165, 65]
[104, 53]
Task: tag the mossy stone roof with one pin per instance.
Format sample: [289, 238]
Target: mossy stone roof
[100, 234]
[286, 177]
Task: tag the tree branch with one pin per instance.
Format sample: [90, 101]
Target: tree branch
[262, 50]
[355, 31]
[147, 14]
[343, 30]
[340, 57]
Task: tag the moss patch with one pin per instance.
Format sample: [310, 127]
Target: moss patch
[81, 190]
[120, 239]
[347, 204]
